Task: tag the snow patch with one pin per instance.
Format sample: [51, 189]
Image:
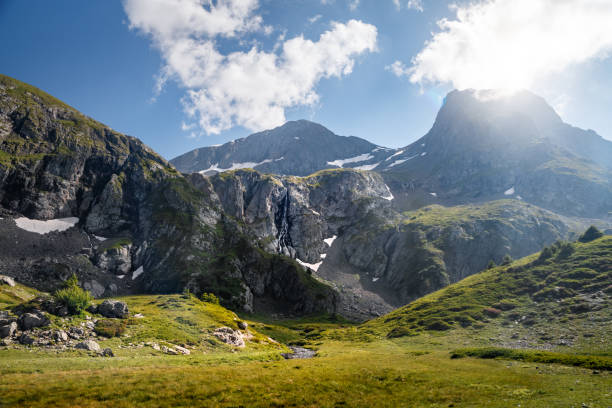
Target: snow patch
[356, 159]
[237, 166]
[314, 267]
[394, 154]
[518, 197]
[422, 144]
[509, 191]
[137, 273]
[315, 212]
[433, 194]
[423, 154]
[367, 166]
[43, 227]
[121, 276]
[323, 256]
[296, 138]
[390, 196]
[395, 163]
[375, 279]
[330, 241]
[101, 239]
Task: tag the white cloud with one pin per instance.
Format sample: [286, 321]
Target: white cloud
[314, 19]
[251, 88]
[410, 4]
[513, 44]
[398, 69]
[353, 4]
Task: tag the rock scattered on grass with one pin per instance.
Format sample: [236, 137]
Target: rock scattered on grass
[113, 309]
[88, 345]
[229, 336]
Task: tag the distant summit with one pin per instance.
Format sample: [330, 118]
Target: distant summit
[297, 148]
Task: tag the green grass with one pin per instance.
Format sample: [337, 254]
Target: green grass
[537, 356]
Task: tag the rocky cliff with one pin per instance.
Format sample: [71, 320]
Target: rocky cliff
[79, 197]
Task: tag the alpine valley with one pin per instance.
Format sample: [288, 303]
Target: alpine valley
[483, 243]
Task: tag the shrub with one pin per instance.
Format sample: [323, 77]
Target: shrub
[507, 260]
[491, 264]
[110, 327]
[73, 297]
[400, 331]
[210, 298]
[591, 234]
[546, 253]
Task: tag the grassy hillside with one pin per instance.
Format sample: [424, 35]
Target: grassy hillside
[421, 355]
[559, 298]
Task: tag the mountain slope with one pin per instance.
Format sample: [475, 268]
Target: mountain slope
[559, 297]
[297, 148]
[483, 147]
[121, 218]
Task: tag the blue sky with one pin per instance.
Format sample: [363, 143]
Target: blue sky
[106, 57]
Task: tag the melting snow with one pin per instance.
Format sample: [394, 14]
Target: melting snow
[509, 191]
[367, 166]
[314, 212]
[236, 166]
[395, 163]
[375, 279]
[314, 267]
[137, 273]
[423, 154]
[43, 227]
[519, 197]
[296, 138]
[330, 241]
[394, 154]
[390, 196]
[323, 256]
[356, 159]
[423, 144]
[102, 239]
[121, 276]
[434, 194]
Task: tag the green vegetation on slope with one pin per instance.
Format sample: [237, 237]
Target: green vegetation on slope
[566, 282]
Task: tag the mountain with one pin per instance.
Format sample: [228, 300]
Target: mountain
[558, 297]
[484, 146]
[78, 197]
[297, 148]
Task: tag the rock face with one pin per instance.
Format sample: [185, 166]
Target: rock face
[113, 308]
[89, 345]
[297, 148]
[485, 147]
[142, 226]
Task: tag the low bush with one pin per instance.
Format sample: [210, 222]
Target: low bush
[73, 297]
[210, 298]
[110, 327]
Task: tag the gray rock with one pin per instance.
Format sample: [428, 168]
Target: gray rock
[229, 336]
[95, 287]
[6, 280]
[242, 325]
[107, 352]
[113, 308]
[26, 339]
[8, 330]
[60, 335]
[182, 350]
[88, 345]
[32, 319]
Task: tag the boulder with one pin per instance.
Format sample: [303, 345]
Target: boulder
[229, 336]
[242, 325]
[182, 350]
[107, 353]
[169, 350]
[26, 339]
[60, 335]
[8, 330]
[6, 280]
[113, 308]
[89, 345]
[32, 319]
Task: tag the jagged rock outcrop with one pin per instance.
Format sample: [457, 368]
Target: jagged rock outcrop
[140, 225]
